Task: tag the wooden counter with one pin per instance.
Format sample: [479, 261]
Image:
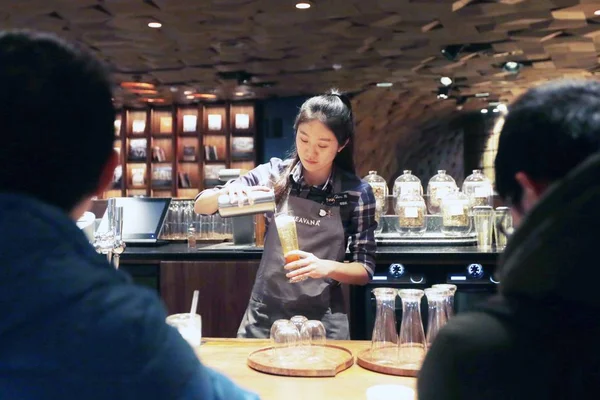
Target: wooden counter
[229, 357]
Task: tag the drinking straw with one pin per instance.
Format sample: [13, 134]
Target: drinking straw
[195, 302]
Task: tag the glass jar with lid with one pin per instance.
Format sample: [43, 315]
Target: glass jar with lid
[380, 190]
[438, 187]
[456, 219]
[411, 211]
[478, 188]
[407, 183]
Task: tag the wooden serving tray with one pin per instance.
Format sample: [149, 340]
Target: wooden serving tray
[335, 360]
[365, 360]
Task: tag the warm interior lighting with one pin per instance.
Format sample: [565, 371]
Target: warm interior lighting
[446, 81]
[143, 91]
[190, 97]
[137, 85]
[188, 92]
[597, 12]
[154, 25]
[149, 100]
[239, 94]
[205, 96]
[302, 6]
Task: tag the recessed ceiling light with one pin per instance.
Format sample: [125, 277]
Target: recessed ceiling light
[336, 66]
[484, 110]
[206, 96]
[154, 24]
[597, 12]
[189, 97]
[385, 84]
[302, 5]
[239, 94]
[188, 92]
[137, 85]
[143, 91]
[512, 66]
[446, 81]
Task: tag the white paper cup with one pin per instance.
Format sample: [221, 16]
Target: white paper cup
[390, 392]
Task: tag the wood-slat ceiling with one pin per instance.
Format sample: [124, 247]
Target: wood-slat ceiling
[211, 46]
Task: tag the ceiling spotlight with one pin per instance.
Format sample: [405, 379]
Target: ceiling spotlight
[484, 110]
[385, 84]
[597, 12]
[502, 108]
[208, 96]
[188, 92]
[446, 81]
[190, 97]
[154, 24]
[303, 5]
[512, 67]
[240, 94]
[336, 66]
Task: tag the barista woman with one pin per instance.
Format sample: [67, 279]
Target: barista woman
[332, 206]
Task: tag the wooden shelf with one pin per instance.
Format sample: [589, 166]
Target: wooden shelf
[163, 127]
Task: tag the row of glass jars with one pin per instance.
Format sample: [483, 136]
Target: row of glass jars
[444, 198]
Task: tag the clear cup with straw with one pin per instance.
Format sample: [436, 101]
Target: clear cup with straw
[189, 324]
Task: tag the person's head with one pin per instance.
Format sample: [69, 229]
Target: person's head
[57, 120]
[325, 133]
[324, 130]
[548, 131]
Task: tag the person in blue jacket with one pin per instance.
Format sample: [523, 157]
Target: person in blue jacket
[71, 325]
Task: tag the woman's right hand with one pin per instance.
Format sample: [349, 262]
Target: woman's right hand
[238, 193]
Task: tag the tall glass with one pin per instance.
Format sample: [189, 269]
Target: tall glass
[450, 298]
[104, 236]
[503, 222]
[411, 341]
[436, 312]
[119, 244]
[384, 341]
[286, 229]
[483, 217]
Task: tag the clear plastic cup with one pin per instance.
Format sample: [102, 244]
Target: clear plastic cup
[189, 327]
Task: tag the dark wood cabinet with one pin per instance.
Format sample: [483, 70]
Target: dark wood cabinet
[224, 287]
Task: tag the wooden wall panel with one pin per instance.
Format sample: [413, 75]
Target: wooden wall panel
[224, 287]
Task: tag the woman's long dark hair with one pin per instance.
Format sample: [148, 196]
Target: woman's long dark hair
[334, 110]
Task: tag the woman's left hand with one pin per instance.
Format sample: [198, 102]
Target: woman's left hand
[308, 266]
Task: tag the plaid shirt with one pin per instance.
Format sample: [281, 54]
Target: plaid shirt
[358, 218]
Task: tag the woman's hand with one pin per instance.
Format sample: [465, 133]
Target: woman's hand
[308, 266]
[238, 193]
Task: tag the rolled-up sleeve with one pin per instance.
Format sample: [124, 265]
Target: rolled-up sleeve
[362, 244]
[263, 175]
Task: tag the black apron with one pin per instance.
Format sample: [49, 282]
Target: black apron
[320, 232]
